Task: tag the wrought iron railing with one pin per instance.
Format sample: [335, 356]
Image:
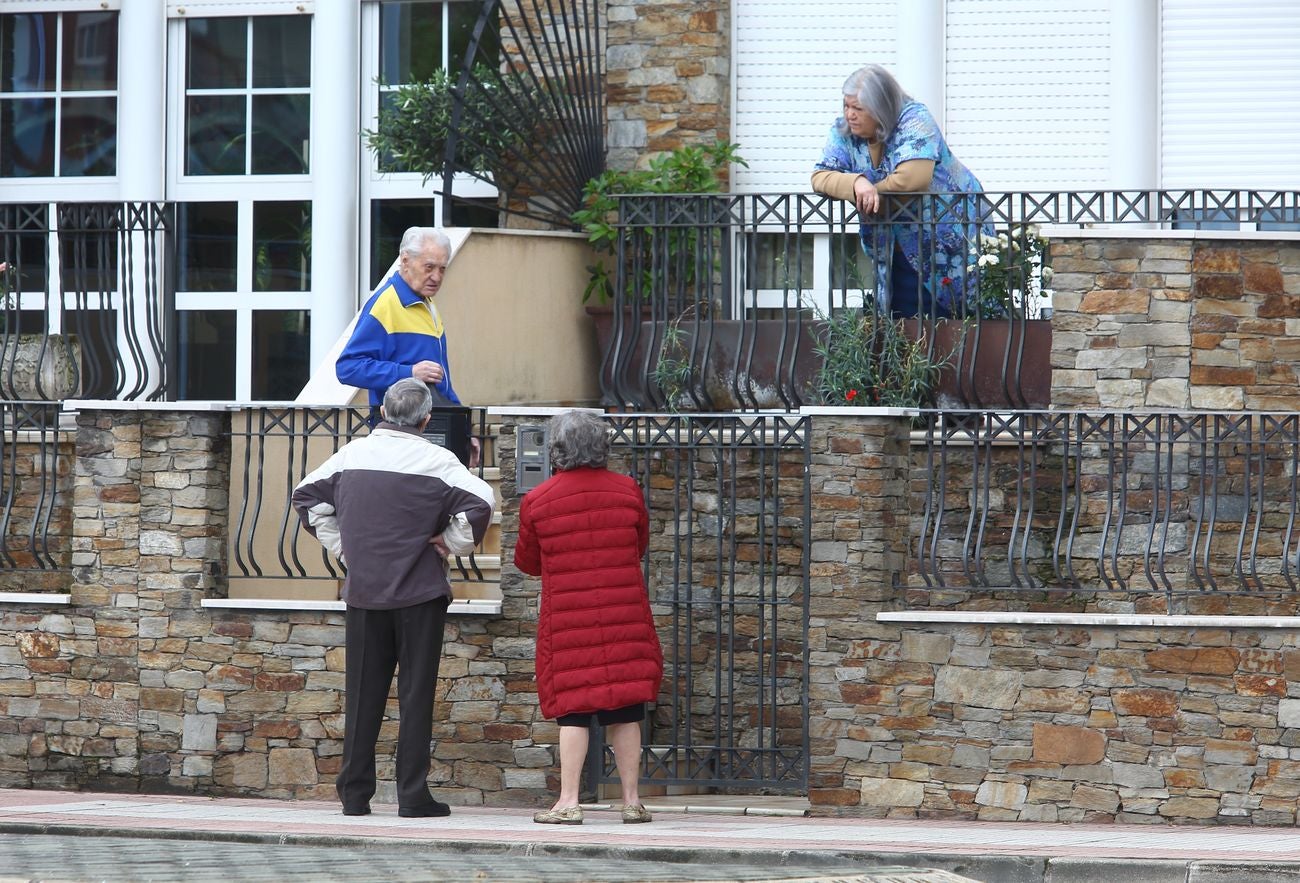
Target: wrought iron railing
[536, 127]
[722, 300]
[272, 450]
[36, 456]
[1198, 505]
[88, 300]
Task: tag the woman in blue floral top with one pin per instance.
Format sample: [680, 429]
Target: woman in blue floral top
[888, 143]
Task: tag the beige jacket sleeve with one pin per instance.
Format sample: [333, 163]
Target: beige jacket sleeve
[913, 176]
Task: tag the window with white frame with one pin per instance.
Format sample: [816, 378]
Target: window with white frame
[240, 172]
[248, 95]
[408, 41]
[58, 94]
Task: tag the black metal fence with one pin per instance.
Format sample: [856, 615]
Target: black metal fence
[88, 301]
[722, 301]
[36, 461]
[1186, 506]
[728, 571]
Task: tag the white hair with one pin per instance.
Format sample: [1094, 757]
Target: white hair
[414, 238]
[880, 95]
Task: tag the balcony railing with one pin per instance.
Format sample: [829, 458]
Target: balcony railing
[88, 301]
[721, 300]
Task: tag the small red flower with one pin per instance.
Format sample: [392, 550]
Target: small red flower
[946, 280]
[851, 395]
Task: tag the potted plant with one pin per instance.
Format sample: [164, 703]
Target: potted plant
[998, 354]
[868, 360]
[660, 271]
[413, 129]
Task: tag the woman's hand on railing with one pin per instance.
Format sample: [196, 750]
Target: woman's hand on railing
[865, 195]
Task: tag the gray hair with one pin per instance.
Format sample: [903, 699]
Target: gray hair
[414, 238]
[407, 402]
[880, 94]
[578, 438]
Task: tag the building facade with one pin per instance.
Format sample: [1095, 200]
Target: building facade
[250, 116]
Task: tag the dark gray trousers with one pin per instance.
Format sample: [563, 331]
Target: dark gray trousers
[378, 641]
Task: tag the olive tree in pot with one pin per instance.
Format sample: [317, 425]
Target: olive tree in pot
[500, 114]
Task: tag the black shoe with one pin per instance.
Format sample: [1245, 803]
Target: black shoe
[425, 810]
[361, 810]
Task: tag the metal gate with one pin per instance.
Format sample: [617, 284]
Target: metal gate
[727, 572]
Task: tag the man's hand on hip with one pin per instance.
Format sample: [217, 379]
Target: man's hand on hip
[427, 371]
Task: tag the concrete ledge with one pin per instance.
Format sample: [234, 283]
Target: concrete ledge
[34, 598]
[1116, 620]
[470, 606]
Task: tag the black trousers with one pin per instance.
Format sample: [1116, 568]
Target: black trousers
[410, 640]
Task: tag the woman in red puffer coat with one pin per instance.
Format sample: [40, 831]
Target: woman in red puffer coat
[584, 532]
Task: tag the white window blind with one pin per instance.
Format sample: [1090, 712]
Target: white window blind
[1230, 94]
[790, 61]
[1027, 93]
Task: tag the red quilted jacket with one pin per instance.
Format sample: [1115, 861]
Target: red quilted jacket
[584, 532]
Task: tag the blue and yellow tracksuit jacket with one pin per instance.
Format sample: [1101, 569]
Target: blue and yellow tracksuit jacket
[394, 331]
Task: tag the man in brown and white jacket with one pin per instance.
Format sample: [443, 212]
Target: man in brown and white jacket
[391, 506]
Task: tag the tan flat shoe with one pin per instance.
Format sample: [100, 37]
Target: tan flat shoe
[570, 815]
[635, 815]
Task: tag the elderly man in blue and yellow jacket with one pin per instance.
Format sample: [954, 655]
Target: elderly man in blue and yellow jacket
[399, 333]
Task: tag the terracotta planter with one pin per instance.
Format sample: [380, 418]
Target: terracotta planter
[767, 363]
[1000, 364]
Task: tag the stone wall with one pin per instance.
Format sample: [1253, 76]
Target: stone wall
[667, 67]
[137, 686]
[1176, 323]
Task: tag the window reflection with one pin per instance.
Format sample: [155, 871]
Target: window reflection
[27, 52]
[216, 53]
[281, 354]
[89, 51]
[281, 51]
[89, 136]
[207, 354]
[236, 71]
[282, 246]
[58, 74]
[207, 246]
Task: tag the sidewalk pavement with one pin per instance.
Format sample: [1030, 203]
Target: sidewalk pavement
[987, 851]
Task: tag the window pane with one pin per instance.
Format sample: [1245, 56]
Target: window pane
[410, 41]
[475, 213]
[281, 51]
[96, 334]
[27, 53]
[214, 135]
[23, 242]
[389, 219]
[463, 17]
[282, 246]
[207, 354]
[281, 354]
[207, 245]
[217, 53]
[89, 137]
[851, 269]
[29, 151]
[281, 134]
[89, 50]
[88, 241]
[781, 262]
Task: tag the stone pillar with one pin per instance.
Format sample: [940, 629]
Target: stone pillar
[94, 739]
[667, 65]
[859, 550]
[183, 520]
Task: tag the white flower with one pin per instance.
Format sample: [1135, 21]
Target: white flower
[988, 260]
[1048, 273]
